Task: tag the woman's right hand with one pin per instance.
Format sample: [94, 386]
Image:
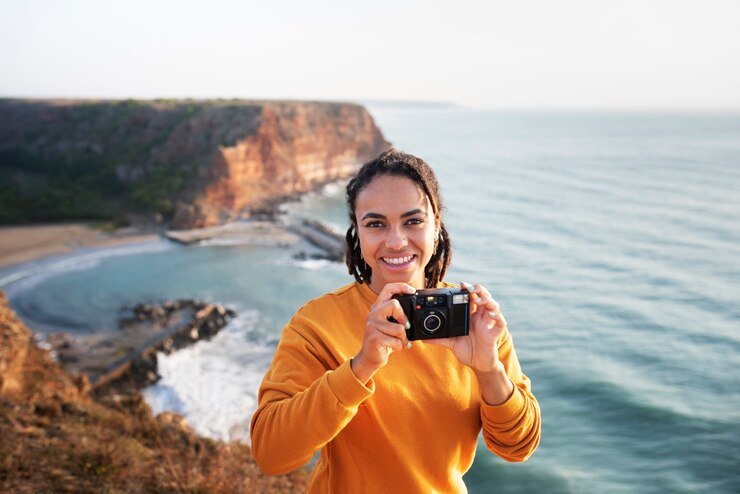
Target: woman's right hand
[382, 337]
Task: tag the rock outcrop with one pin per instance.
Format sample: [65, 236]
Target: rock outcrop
[194, 163]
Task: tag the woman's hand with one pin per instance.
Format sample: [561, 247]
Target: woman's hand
[382, 337]
[479, 349]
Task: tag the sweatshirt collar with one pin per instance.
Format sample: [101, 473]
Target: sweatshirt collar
[366, 292]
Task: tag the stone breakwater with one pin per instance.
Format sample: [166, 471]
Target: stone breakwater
[127, 359]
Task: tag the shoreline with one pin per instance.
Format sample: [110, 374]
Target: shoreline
[27, 243]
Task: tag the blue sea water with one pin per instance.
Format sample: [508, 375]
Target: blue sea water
[611, 241]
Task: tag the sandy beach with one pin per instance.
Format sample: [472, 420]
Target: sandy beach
[19, 244]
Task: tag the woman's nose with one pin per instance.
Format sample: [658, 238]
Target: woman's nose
[395, 239]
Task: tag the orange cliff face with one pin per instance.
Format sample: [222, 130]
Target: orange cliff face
[296, 146]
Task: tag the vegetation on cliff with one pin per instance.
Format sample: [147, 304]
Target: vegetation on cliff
[200, 161]
[56, 437]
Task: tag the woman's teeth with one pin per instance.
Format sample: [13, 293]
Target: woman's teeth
[398, 260]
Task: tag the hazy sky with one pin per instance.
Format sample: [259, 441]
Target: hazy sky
[493, 54]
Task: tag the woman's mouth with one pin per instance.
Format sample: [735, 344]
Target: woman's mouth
[398, 263]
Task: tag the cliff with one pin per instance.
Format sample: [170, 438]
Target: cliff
[191, 163]
[55, 437]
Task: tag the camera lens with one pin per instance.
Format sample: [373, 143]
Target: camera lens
[432, 323]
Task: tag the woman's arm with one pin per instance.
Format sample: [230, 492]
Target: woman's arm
[511, 429]
[302, 405]
[509, 411]
[307, 397]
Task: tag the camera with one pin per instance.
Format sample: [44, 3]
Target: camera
[436, 313]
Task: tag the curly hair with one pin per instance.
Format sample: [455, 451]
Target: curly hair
[397, 163]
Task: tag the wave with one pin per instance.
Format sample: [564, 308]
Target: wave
[31, 274]
[214, 383]
[312, 264]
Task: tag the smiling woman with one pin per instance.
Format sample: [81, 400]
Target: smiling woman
[397, 231]
[346, 380]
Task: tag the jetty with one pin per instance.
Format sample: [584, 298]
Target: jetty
[127, 357]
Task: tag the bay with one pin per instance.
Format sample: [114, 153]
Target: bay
[611, 242]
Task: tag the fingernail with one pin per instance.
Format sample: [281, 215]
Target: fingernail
[408, 325]
[467, 286]
[492, 314]
[409, 345]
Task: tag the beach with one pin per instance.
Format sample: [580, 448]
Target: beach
[19, 244]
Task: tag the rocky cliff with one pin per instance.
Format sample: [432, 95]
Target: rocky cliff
[194, 163]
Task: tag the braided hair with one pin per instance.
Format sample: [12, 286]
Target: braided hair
[397, 163]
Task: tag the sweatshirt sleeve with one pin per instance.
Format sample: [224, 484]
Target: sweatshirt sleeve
[511, 430]
[303, 403]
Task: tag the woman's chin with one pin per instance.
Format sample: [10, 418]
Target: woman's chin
[410, 277]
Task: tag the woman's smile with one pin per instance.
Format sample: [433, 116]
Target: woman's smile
[398, 263]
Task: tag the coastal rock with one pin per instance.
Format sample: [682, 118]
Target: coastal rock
[21, 361]
[295, 147]
[14, 341]
[188, 163]
[127, 359]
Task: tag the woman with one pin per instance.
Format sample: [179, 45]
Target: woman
[389, 415]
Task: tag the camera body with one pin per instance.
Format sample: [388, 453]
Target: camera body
[436, 313]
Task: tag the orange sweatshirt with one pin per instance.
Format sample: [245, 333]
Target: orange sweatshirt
[412, 428]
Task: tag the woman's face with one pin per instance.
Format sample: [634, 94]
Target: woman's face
[397, 227]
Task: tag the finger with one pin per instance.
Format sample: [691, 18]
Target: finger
[482, 291]
[474, 297]
[474, 291]
[392, 329]
[496, 318]
[481, 296]
[477, 291]
[489, 304]
[391, 289]
[389, 343]
[397, 312]
[499, 318]
[391, 308]
[389, 328]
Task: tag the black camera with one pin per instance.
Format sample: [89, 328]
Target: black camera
[436, 313]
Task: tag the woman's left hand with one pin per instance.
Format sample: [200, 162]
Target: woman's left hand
[479, 349]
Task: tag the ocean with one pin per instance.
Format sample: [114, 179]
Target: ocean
[610, 240]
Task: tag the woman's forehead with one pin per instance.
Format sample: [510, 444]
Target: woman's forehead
[389, 194]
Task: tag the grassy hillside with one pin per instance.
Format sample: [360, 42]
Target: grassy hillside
[100, 159]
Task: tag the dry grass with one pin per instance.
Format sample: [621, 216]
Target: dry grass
[56, 438]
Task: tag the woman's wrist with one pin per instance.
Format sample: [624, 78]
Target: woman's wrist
[360, 370]
[495, 386]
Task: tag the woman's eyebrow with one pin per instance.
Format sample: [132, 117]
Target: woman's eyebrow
[382, 217]
[413, 212]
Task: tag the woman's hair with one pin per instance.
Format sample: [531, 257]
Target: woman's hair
[399, 164]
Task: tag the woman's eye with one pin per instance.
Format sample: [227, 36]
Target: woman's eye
[415, 221]
[374, 224]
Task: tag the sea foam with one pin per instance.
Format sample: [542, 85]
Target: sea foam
[214, 383]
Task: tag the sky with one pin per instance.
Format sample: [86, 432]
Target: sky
[525, 54]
